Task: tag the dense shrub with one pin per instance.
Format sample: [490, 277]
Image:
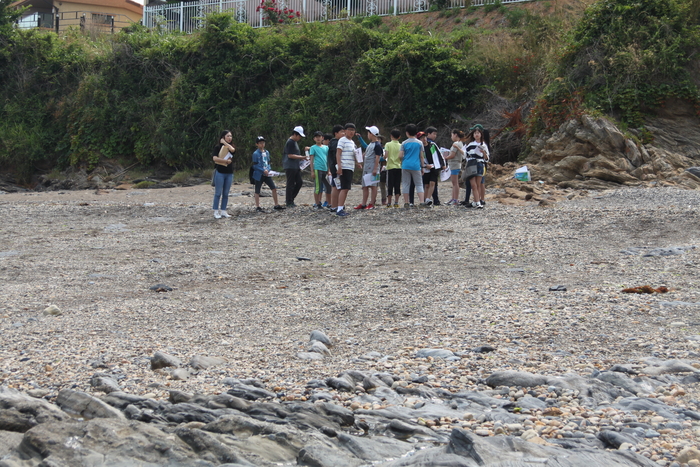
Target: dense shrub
[147, 97]
[625, 58]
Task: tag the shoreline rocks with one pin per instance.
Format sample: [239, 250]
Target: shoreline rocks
[515, 417]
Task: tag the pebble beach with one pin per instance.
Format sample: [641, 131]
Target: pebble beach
[440, 299]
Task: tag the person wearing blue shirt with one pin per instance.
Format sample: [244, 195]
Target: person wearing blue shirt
[261, 173]
[412, 159]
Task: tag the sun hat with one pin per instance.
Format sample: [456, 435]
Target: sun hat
[373, 129]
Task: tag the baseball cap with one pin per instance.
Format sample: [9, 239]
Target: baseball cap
[300, 130]
[373, 129]
[259, 138]
[318, 133]
[420, 134]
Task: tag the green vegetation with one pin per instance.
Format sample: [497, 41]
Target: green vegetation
[145, 97]
[162, 99]
[624, 58]
[489, 7]
[8, 16]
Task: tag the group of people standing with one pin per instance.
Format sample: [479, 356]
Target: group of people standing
[409, 167]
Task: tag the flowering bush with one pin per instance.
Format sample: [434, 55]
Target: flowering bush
[273, 14]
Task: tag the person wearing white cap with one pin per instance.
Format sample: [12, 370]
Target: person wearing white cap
[370, 167]
[290, 161]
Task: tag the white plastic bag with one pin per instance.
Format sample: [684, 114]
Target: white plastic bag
[522, 174]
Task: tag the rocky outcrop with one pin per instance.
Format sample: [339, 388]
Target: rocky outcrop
[517, 418]
[593, 153]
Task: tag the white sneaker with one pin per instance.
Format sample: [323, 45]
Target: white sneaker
[225, 214]
[217, 214]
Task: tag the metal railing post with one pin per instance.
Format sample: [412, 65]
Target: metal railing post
[181, 13]
[396, 7]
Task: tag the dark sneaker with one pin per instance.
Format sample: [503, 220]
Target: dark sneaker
[341, 213]
[291, 205]
[259, 209]
[406, 205]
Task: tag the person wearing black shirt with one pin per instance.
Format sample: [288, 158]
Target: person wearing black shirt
[290, 161]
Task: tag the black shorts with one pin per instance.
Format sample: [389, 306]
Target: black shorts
[346, 179]
[432, 176]
[266, 180]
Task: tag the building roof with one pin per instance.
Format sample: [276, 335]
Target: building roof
[130, 5]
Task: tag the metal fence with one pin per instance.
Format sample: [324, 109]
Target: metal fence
[188, 16]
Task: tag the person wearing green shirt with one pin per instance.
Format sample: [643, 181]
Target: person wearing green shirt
[393, 167]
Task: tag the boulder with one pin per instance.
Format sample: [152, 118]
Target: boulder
[320, 336]
[20, 412]
[105, 383]
[84, 405]
[199, 362]
[163, 360]
[96, 442]
[515, 378]
[588, 151]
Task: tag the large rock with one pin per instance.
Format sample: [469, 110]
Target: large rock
[321, 337]
[515, 378]
[585, 152]
[199, 362]
[102, 442]
[468, 450]
[9, 441]
[162, 360]
[105, 383]
[84, 405]
[20, 412]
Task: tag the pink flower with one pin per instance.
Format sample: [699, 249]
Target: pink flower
[281, 20]
[298, 14]
[290, 16]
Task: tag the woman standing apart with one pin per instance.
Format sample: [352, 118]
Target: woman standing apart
[454, 161]
[223, 160]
